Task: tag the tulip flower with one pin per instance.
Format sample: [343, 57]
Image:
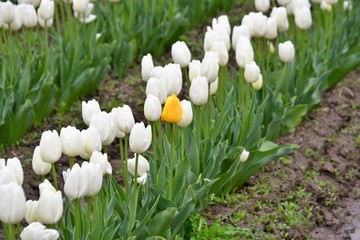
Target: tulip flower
[8, 13]
[14, 166]
[140, 138]
[102, 161]
[212, 36]
[71, 141]
[93, 173]
[244, 155]
[347, 5]
[50, 206]
[173, 78]
[214, 86]
[180, 53]
[39, 166]
[252, 72]
[31, 211]
[244, 53]
[303, 18]
[242, 30]
[194, 69]
[331, 1]
[325, 6]
[28, 16]
[152, 108]
[50, 146]
[114, 116]
[295, 4]
[146, 67]
[142, 171]
[126, 119]
[280, 14]
[86, 16]
[46, 185]
[221, 25]
[157, 72]
[89, 109]
[80, 5]
[271, 28]
[262, 5]
[103, 122]
[35, 3]
[45, 23]
[283, 2]
[257, 85]
[91, 141]
[7, 176]
[36, 231]
[199, 91]
[259, 24]
[286, 51]
[187, 114]
[12, 203]
[46, 10]
[222, 53]
[172, 111]
[16, 24]
[210, 66]
[157, 87]
[75, 182]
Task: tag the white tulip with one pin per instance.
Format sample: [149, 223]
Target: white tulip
[303, 19]
[94, 179]
[46, 185]
[259, 24]
[152, 108]
[210, 37]
[12, 203]
[114, 116]
[35, 3]
[37, 231]
[194, 69]
[103, 122]
[283, 2]
[45, 23]
[262, 5]
[46, 9]
[222, 53]
[50, 146]
[8, 12]
[280, 14]
[143, 168]
[244, 155]
[325, 6]
[286, 51]
[180, 53]
[86, 16]
[146, 67]
[102, 161]
[80, 5]
[210, 66]
[294, 4]
[125, 119]
[31, 211]
[347, 5]
[252, 72]
[214, 86]
[75, 182]
[140, 138]
[199, 91]
[38, 165]
[91, 141]
[173, 78]
[157, 87]
[12, 171]
[89, 109]
[257, 85]
[142, 179]
[187, 114]
[17, 23]
[271, 28]
[221, 25]
[50, 207]
[157, 72]
[28, 16]
[71, 141]
[242, 30]
[244, 54]
[332, 2]
[7, 176]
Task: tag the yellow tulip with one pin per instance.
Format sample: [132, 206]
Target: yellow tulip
[172, 112]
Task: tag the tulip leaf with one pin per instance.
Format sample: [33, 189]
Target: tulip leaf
[161, 222]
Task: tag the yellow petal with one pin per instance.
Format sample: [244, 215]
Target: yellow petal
[172, 112]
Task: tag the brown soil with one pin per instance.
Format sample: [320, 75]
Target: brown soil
[326, 166]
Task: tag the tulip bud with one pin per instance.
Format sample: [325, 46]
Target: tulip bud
[283, 2]
[143, 168]
[50, 206]
[45, 23]
[39, 166]
[295, 4]
[214, 86]
[194, 69]
[71, 141]
[257, 85]
[86, 16]
[222, 53]
[12, 203]
[105, 126]
[46, 185]
[80, 5]
[303, 18]
[50, 146]
[180, 53]
[75, 182]
[199, 91]
[172, 112]
[242, 30]
[252, 72]
[244, 54]
[173, 78]
[38, 231]
[89, 109]
[244, 155]
[17, 23]
[157, 87]
[94, 179]
[271, 29]
[35, 3]
[140, 138]
[147, 66]
[325, 6]
[347, 5]
[210, 66]
[280, 14]
[46, 9]
[152, 108]
[114, 116]
[8, 12]
[91, 141]
[187, 114]
[125, 119]
[331, 1]
[31, 211]
[221, 25]
[28, 16]
[12, 172]
[158, 72]
[286, 51]
[262, 5]
[271, 48]
[102, 161]
[7, 176]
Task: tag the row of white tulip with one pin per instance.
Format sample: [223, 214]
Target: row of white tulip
[25, 13]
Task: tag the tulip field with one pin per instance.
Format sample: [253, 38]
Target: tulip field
[205, 92]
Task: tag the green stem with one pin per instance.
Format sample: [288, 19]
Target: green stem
[135, 194]
[71, 162]
[126, 163]
[198, 127]
[122, 159]
[160, 134]
[53, 170]
[171, 162]
[155, 151]
[88, 211]
[11, 232]
[95, 207]
[106, 150]
[77, 219]
[42, 178]
[18, 226]
[182, 144]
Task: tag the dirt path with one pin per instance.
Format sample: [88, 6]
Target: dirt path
[315, 192]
